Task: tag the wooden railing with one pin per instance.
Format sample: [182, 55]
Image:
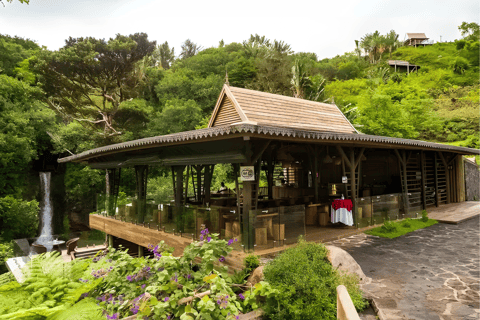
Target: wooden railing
[345, 308]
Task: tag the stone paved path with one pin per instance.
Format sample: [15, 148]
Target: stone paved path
[432, 273]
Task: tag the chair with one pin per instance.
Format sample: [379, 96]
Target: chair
[71, 245]
[38, 248]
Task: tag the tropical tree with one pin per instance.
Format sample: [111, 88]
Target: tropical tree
[470, 31]
[189, 49]
[89, 79]
[165, 55]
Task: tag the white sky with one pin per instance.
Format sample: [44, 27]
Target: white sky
[327, 27]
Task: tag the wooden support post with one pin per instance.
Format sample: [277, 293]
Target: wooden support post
[186, 185]
[179, 185]
[140, 251]
[437, 194]
[141, 174]
[353, 186]
[447, 175]
[110, 241]
[315, 172]
[270, 169]
[199, 183]
[207, 183]
[247, 206]
[402, 163]
[460, 181]
[424, 193]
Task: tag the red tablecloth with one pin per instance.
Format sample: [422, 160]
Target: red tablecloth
[339, 203]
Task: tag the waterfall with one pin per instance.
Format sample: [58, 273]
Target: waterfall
[46, 212]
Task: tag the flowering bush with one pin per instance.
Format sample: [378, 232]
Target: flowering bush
[195, 285]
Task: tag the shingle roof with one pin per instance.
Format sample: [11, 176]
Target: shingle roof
[269, 109]
[267, 132]
[416, 36]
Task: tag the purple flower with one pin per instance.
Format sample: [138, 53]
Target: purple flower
[134, 309]
[143, 286]
[201, 237]
[204, 232]
[166, 299]
[221, 259]
[129, 278]
[188, 276]
[113, 316]
[209, 238]
[241, 296]
[230, 242]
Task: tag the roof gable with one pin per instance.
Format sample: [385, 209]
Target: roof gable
[416, 36]
[269, 109]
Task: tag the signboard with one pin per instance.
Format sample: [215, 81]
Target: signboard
[247, 173]
[344, 179]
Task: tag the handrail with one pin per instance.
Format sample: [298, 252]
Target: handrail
[345, 308]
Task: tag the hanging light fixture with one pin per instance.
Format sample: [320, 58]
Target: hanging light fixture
[327, 159]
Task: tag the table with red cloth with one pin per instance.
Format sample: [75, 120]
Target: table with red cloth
[342, 211]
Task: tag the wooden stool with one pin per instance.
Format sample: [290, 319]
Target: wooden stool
[260, 236]
[228, 230]
[278, 232]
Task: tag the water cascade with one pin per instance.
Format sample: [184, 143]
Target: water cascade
[46, 213]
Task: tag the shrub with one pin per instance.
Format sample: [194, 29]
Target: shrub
[251, 263]
[306, 284]
[424, 216]
[407, 223]
[6, 252]
[388, 226]
[18, 218]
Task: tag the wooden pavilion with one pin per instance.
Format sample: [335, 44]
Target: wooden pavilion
[310, 154]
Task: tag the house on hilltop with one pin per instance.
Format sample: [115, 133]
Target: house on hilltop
[401, 65]
[416, 39]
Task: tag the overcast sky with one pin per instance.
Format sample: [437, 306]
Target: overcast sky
[327, 27]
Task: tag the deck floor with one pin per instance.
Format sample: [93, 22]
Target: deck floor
[455, 213]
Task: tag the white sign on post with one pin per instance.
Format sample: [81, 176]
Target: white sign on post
[344, 179]
[247, 173]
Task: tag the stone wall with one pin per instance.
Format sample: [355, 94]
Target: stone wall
[472, 181]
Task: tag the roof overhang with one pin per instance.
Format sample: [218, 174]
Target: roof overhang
[152, 150]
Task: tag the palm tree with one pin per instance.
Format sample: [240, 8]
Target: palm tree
[391, 40]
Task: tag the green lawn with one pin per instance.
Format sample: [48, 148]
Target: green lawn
[399, 228]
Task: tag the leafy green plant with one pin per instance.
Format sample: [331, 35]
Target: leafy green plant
[401, 227]
[407, 223]
[424, 216]
[388, 226]
[306, 284]
[251, 262]
[6, 252]
[18, 218]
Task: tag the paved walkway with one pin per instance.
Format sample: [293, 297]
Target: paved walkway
[433, 273]
[455, 212]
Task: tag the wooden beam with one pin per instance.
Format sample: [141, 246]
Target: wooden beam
[315, 173]
[359, 157]
[399, 157]
[141, 174]
[179, 185]
[437, 194]
[405, 182]
[353, 184]
[422, 168]
[258, 153]
[460, 181]
[344, 156]
[447, 175]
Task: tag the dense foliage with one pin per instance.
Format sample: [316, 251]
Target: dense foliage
[306, 284]
[122, 285]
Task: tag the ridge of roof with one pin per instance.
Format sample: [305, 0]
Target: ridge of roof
[332, 109]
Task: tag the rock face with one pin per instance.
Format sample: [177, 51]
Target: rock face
[343, 261]
[256, 276]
